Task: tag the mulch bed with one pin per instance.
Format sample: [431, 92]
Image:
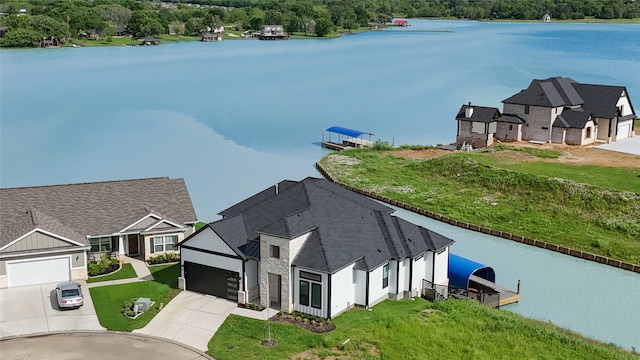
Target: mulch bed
[317, 328]
[109, 270]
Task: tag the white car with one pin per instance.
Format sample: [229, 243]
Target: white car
[69, 295]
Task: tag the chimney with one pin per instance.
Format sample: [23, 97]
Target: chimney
[468, 112]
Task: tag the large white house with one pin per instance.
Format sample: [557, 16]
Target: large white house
[315, 247]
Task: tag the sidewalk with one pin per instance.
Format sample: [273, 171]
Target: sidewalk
[140, 267]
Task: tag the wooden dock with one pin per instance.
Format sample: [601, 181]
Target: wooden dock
[505, 296]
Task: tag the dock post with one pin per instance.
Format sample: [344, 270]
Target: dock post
[518, 286]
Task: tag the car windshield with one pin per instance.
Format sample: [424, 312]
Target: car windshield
[70, 292]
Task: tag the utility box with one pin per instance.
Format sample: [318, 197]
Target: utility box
[142, 304]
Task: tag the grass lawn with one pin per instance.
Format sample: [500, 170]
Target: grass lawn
[108, 300]
[600, 214]
[453, 329]
[125, 272]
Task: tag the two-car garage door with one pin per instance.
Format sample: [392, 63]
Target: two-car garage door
[210, 280]
[38, 271]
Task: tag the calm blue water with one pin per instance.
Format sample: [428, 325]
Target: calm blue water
[235, 117]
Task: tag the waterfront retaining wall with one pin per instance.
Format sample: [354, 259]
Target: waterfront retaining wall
[521, 239]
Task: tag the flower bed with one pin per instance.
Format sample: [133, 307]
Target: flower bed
[312, 323]
[105, 265]
[250, 306]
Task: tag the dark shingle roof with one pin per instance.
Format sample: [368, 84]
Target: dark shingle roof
[30, 220]
[511, 118]
[344, 227]
[600, 100]
[98, 208]
[551, 92]
[480, 113]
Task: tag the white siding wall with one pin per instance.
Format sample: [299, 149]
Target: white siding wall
[624, 102]
[428, 265]
[207, 239]
[322, 312]
[342, 290]
[442, 268]
[221, 262]
[376, 292]
[393, 276]
[419, 273]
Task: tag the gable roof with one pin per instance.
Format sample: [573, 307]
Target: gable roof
[31, 220]
[344, 227]
[481, 114]
[97, 208]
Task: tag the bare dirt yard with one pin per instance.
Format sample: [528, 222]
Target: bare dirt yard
[580, 155]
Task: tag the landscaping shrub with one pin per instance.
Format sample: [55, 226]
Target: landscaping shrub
[164, 258]
[105, 265]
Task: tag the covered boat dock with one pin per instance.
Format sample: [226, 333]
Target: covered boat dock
[478, 281]
[347, 138]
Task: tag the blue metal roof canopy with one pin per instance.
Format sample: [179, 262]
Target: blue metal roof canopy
[348, 132]
[460, 269]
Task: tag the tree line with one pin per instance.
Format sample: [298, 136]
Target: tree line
[27, 22]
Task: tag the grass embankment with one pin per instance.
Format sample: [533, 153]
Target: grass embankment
[108, 300]
[406, 329]
[592, 208]
[125, 272]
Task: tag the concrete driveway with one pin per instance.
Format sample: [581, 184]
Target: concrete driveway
[103, 345]
[190, 318]
[629, 146]
[34, 309]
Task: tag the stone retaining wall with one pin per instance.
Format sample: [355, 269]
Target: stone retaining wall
[521, 239]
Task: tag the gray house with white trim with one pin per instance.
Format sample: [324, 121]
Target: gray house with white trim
[312, 246]
[48, 233]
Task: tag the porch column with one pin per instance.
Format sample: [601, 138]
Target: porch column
[121, 248]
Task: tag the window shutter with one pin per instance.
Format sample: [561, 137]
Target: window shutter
[151, 245]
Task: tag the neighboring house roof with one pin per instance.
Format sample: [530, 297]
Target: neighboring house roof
[480, 114]
[551, 92]
[30, 220]
[581, 102]
[97, 208]
[343, 226]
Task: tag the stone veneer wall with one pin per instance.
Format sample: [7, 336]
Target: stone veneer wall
[281, 266]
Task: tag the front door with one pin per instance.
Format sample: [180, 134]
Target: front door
[133, 245]
[274, 291]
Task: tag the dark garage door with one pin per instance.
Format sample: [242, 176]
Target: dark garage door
[210, 280]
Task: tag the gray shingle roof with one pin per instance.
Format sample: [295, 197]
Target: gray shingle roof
[344, 227]
[551, 92]
[97, 208]
[480, 114]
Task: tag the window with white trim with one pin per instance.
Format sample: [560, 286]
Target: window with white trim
[164, 243]
[100, 244]
[385, 276]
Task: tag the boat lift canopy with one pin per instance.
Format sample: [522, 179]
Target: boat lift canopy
[460, 269]
[348, 132]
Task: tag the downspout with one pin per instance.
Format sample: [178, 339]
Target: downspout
[411, 277]
[433, 270]
[244, 279]
[366, 293]
[329, 298]
[397, 278]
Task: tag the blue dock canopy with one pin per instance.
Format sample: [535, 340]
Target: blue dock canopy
[460, 269]
[348, 132]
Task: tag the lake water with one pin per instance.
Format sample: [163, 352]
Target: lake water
[235, 117]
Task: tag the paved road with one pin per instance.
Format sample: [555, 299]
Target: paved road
[103, 345]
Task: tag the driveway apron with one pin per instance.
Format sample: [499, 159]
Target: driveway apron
[190, 318]
[34, 309]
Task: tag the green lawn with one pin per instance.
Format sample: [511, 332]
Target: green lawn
[453, 329]
[523, 198]
[108, 300]
[125, 272]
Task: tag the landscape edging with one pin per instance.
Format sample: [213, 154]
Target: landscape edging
[518, 238]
